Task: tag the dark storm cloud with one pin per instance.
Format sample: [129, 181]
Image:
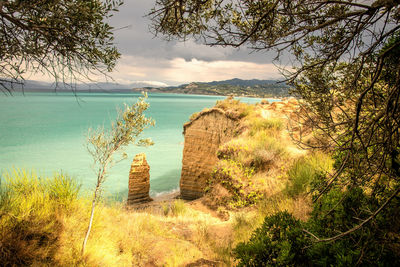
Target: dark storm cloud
[134, 39]
[153, 61]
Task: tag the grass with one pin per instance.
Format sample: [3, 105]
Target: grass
[235, 108]
[31, 211]
[259, 151]
[245, 160]
[259, 124]
[177, 208]
[305, 170]
[43, 222]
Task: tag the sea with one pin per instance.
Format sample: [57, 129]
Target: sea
[46, 132]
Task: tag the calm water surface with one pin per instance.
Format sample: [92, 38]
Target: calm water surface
[47, 132]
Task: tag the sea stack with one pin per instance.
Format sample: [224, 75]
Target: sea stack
[139, 180]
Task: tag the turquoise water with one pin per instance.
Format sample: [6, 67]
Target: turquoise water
[47, 132]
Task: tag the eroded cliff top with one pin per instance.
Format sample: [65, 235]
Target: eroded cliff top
[207, 111]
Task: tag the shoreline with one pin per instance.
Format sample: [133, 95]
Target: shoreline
[129, 91]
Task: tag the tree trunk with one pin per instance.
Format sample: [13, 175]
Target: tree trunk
[91, 219]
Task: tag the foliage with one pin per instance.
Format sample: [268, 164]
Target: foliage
[102, 144]
[38, 229]
[375, 244]
[31, 207]
[236, 178]
[278, 242]
[68, 40]
[254, 152]
[285, 241]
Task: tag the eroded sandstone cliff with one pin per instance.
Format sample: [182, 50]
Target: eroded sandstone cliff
[203, 135]
[139, 180]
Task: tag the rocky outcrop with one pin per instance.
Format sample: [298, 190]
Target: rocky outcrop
[139, 180]
[203, 135]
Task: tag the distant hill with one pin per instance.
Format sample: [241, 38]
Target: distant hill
[237, 87]
[36, 86]
[240, 82]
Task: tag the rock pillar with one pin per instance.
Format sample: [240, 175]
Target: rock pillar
[139, 180]
[203, 135]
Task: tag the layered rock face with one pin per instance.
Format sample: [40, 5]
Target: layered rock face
[139, 180]
[203, 135]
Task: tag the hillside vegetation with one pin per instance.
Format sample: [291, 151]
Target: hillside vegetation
[260, 172]
[236, 87]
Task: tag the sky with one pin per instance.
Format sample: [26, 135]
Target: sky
[152, 61]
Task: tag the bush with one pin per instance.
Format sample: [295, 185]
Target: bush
[236, 178]
[30, 210]
[377, 243]
[278, 242]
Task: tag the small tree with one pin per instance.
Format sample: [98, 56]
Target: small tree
[103, 144]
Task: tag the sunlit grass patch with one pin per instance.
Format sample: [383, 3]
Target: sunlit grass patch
[260, 151]
[305, 170]
[176, 208]
[235, 108]
[31, 211]
[259, 124]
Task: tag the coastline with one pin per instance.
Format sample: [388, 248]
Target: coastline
[134, 91]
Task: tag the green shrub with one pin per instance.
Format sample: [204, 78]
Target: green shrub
[281, 240]
[375, 244]
[278, 242]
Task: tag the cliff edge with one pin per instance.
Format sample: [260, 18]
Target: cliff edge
[203, 136]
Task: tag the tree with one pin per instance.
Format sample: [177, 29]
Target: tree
[69, 40]
[346, 70]
[103, 144]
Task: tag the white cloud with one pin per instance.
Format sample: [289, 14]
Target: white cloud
[132, 69]
[203, 71]
[151, 83]
[163, 72]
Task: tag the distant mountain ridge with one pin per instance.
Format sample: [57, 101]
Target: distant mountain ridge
[31, 85]
[237, 87]
[241, 82]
